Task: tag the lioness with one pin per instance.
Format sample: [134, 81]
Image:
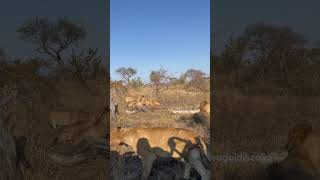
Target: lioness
[89, 131]
[129, 99]
[141, 102]
[81, 136]
[303, 160]
[203, 116]
[205, 108]
[150, 143]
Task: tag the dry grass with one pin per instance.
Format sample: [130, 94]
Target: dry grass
[129, 167]
[32, 121]
[246, 123]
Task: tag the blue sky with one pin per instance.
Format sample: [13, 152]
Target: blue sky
[147, 34]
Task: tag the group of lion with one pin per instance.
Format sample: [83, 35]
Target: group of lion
[150, 143]
[301, 163]
[92, 132]
[303, 147]
[143, 103]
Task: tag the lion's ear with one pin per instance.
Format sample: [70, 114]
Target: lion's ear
[119, 128]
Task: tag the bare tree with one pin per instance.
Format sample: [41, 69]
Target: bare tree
[195, 78]
[126, 73]
[51, 38]
[264, 39]
[85, 63]
[233, 54]
[273, 47]
[158, 79]
[136, 82]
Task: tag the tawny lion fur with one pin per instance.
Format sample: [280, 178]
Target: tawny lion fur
[205, 108]
[140, 102]
[89, 131]
[150, 143]
[303, 158]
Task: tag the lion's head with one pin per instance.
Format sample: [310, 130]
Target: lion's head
[303, 160]
[205, 107]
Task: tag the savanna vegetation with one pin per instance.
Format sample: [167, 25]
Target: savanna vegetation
[266, 80]
[184, 92]
[62, 74]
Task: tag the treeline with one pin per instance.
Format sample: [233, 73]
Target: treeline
[161, 79]
[267, 58]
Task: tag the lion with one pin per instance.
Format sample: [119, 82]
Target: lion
[89, 131]
[141, 103]
[203, 116]
[81, 136]
[150, 143]
[205, 108]
[129, 99]
[303, 160]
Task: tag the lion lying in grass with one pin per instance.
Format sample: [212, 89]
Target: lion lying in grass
[303, 160]
[82, 135]
[90, 131]
[150, 143]
[141, 103]
[203, 117]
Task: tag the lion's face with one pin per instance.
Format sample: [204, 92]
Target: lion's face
[117, 136]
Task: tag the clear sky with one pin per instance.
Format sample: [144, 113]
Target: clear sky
[147, 34]
[232, 16]
[13, 13]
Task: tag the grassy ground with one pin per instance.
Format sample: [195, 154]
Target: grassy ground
[32, 121]
[32, 118]
[172, 98]
[243, 124]
[247, 123]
